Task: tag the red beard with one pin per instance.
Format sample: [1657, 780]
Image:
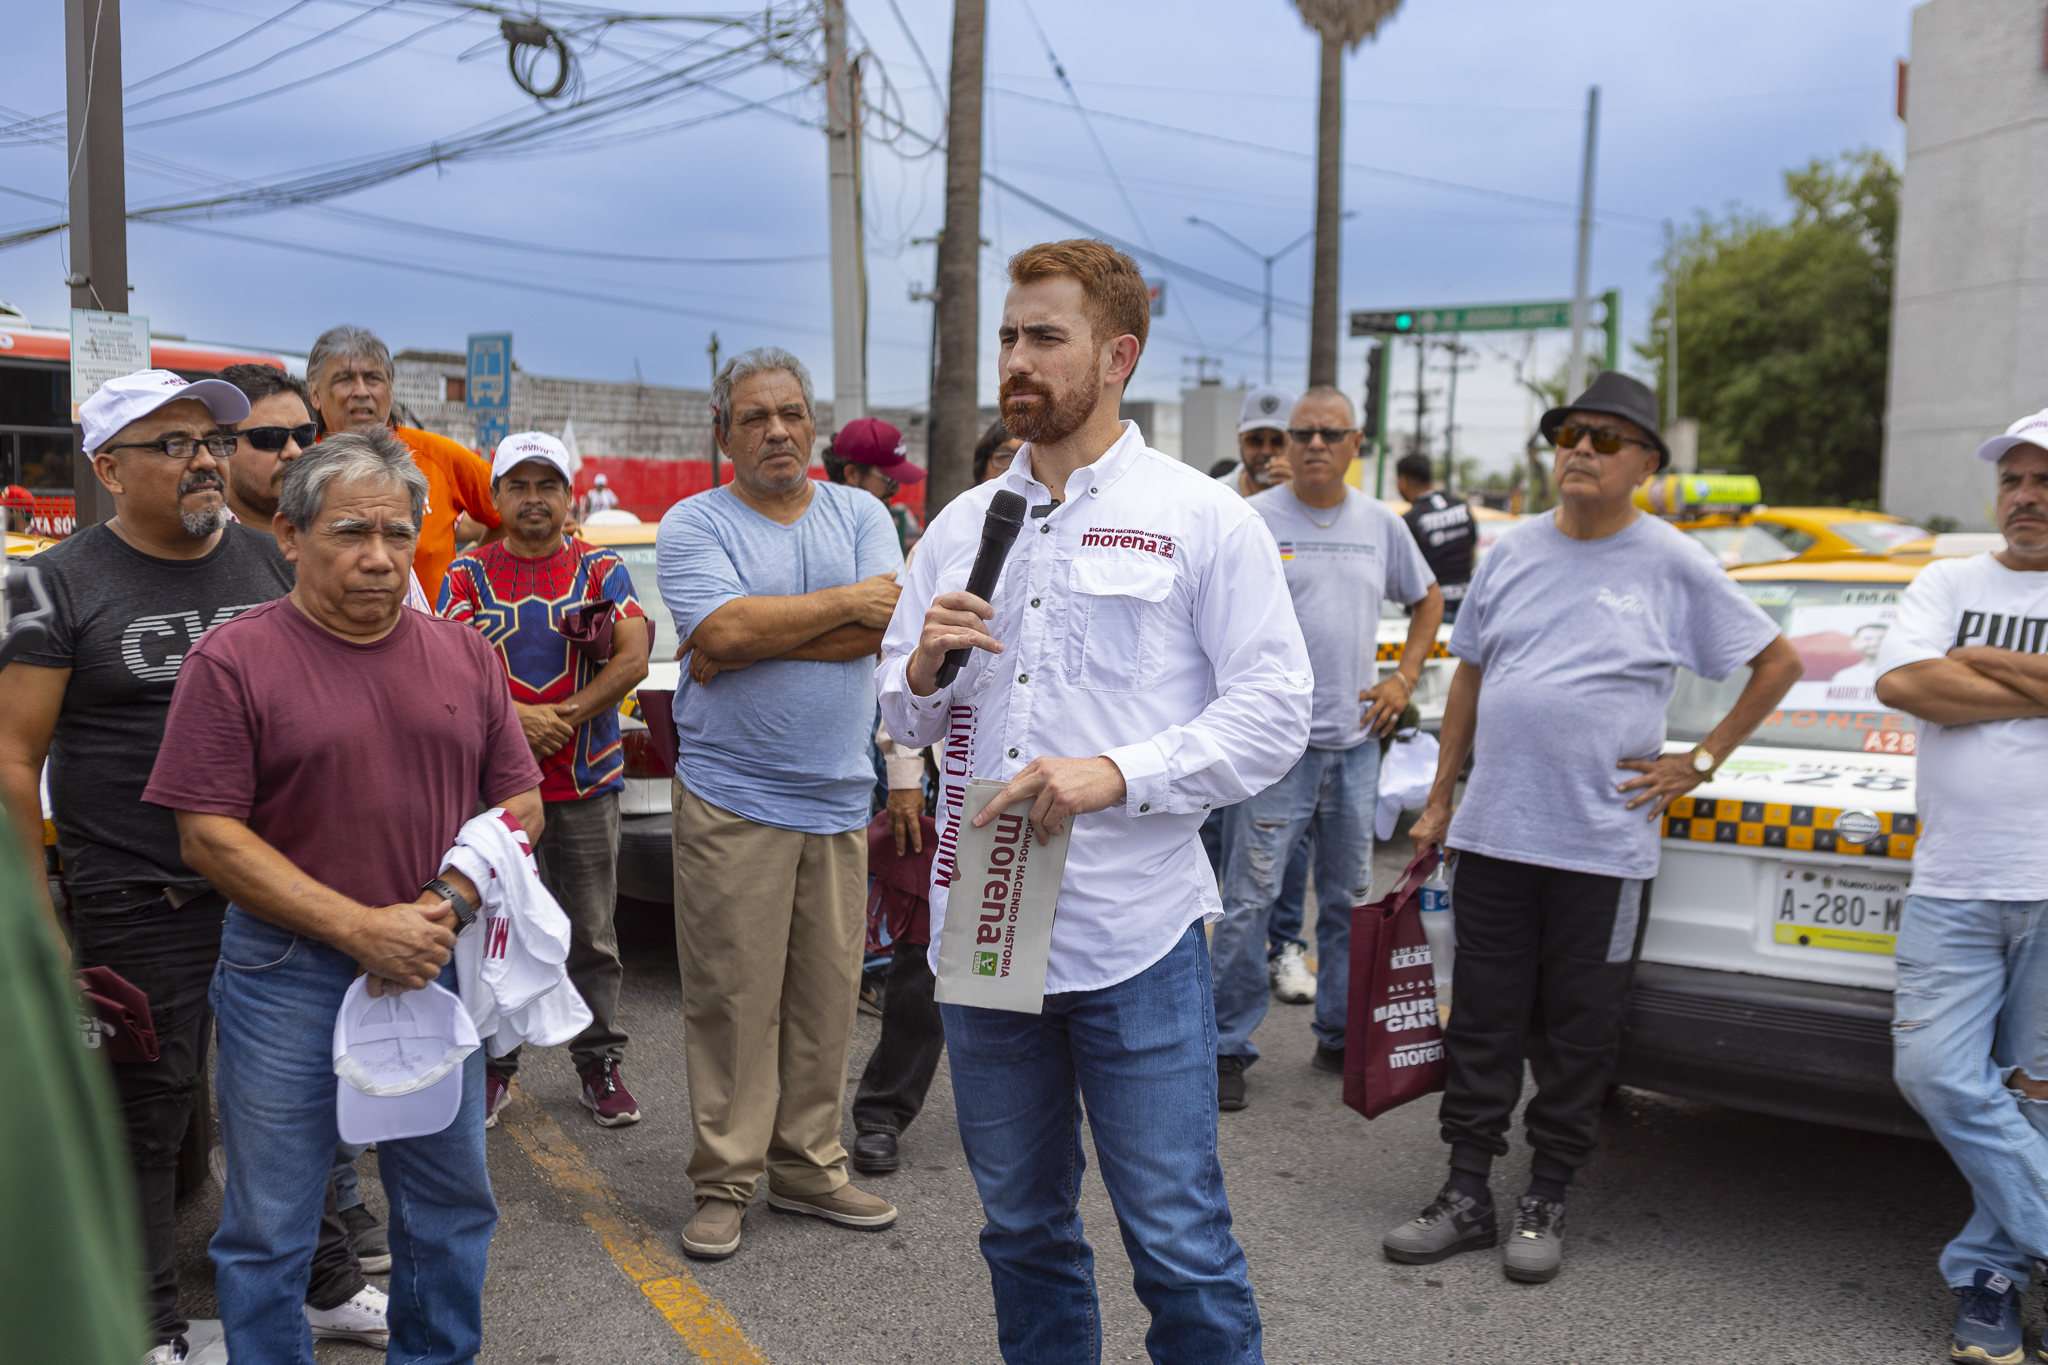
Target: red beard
[1055, 416]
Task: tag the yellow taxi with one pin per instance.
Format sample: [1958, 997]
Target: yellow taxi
[1726, 514]
[1766, 974]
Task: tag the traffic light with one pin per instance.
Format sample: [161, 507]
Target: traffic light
[1375, 390]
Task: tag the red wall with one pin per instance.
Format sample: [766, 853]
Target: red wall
[648, 488]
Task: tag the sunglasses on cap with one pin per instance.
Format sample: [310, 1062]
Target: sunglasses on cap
[274, 438]
[1330, 435]
[1605, 442]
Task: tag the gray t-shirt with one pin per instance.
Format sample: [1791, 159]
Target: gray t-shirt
[1580, 641]
[784, 742]
[1337, 575]
[124, 622]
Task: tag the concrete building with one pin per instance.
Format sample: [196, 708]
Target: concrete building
[1969, 350]
[1208, 423]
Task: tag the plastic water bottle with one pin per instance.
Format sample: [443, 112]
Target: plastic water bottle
[1440, 928]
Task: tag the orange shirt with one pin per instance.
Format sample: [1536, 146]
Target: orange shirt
[458, 480]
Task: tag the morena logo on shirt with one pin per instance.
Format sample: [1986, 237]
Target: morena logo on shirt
[1113, 538]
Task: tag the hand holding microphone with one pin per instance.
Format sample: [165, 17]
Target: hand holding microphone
[954, 625]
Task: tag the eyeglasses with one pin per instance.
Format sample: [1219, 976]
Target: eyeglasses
[274, 438]
[183, 448]
[1605, 442]
[1331, 435]
[1260, 437]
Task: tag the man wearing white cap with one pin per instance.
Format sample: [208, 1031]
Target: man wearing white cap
[516, 591]
[1261, 442]
[132, 598]
[1262, 464]
[602, 498]
[1968, 655]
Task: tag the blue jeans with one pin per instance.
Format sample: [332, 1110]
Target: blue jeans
[1972, 1008]
[1328, 797]
[1141, 1056]
[1284, 925]
[275, 996]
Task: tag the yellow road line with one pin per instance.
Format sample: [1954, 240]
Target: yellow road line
[706, 1326]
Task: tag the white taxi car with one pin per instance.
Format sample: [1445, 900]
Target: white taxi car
[1766, 975]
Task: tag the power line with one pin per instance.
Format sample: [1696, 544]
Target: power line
[1087, 123]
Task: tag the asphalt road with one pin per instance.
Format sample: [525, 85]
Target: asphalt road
[1698, 1234]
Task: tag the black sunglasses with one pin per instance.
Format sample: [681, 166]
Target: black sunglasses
[1605, 442]
[274, 438]
[1330, 435]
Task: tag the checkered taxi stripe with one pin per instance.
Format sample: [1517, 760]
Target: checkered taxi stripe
[1390, 651]
[1763, 824]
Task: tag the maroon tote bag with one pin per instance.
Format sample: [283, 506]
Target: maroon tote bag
[1393, 1040]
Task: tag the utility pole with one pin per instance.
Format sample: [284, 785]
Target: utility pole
[849, 272]
[97, 192]
[1322, 322]
[1670, 330]
[1575, 382]
[954, 413]
[1451, 417]
[1421, 397]
[712, 351]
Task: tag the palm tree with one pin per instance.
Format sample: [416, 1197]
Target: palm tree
[1340, 24]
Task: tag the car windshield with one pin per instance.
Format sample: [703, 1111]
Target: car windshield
[640, 564]
[1878, 537]
[1837, 629]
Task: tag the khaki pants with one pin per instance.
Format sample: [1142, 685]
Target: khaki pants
[768, 934]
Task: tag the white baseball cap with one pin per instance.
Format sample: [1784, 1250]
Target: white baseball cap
[399, 1062]
[522, 446]
[133, 397]
[2028, 431]
[1266, 408]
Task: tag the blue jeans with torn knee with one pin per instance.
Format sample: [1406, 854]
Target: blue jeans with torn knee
[1971, 1011]
[1328, 795]
[1141, 1056]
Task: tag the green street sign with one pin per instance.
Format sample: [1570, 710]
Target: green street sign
[1495, 317]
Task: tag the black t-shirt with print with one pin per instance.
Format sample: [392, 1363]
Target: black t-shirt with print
[124, 622]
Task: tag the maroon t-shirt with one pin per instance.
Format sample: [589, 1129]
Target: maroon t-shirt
[357, 762]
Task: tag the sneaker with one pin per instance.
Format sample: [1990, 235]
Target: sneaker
[871, 994]
[368, 1239]
[845, 1206]
[1535, 1251]
[1292, 982]
[1230, 1083]
[875, 1153]
[360, 1319]
[1330, 1059]
[713, 1232]
[1988, 1321]
[171, 1352]
[606, 1096]
[1452, 1223]
[497, 1090]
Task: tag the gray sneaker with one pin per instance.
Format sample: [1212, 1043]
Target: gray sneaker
[1452, 1223]
[1535, 1250]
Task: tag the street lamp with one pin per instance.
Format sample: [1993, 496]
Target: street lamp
[1266, 316]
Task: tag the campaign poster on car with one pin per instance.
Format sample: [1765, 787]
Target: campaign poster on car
[1838, 646]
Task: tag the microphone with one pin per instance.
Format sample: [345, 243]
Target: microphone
[998, 533]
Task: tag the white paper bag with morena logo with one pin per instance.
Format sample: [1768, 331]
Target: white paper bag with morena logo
[998, 931]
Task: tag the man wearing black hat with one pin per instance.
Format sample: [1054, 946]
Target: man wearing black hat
[1569, 643]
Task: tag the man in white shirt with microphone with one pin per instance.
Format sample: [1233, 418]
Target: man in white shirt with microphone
[1118, 680]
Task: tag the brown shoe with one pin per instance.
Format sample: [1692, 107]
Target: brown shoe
[713, 1232]
[846, 1205]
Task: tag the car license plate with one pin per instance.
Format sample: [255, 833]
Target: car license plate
[1843, 909]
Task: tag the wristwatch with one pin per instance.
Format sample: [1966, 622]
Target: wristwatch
[1702, 761]
[465, 913]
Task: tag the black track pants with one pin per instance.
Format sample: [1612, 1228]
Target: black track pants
[1545, 961]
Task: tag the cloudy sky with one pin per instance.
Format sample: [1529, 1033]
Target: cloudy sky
[619, 247]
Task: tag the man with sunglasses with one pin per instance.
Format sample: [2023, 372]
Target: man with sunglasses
[131, 598]
[1261, 442]
[1569, 644]
[1342, 551]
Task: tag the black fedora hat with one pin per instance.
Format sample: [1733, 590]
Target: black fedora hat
[1617, 395]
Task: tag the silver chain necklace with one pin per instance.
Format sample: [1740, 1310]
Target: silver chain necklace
[1309, 512]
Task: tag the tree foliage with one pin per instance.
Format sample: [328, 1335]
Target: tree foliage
[1783, 330]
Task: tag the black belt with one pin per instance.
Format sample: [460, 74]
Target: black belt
[129, 897]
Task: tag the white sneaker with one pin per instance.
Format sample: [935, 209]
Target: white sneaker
[1291, 979]
[360, 1319]
[171, 1352]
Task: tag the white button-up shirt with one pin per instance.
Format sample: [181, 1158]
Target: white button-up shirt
[1145, 620]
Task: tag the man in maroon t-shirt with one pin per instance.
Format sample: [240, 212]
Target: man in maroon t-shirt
[321, 753]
